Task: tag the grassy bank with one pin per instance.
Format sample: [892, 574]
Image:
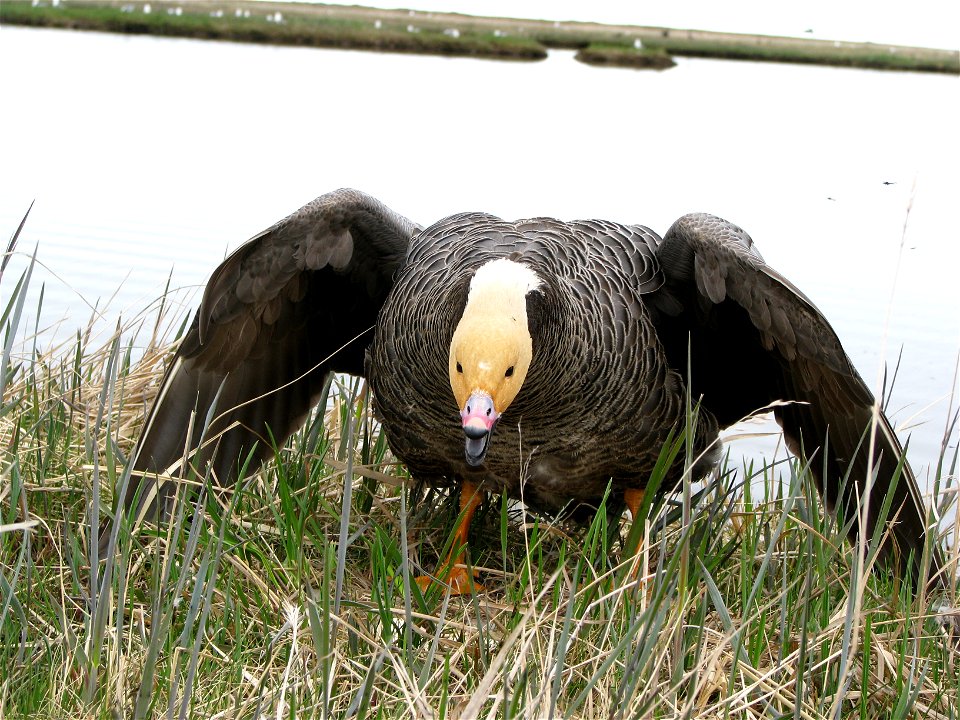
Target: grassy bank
[625, 56]
[295, 29]
[294, 599]
[452, 34]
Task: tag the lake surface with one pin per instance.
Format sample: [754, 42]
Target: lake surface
[154, 157]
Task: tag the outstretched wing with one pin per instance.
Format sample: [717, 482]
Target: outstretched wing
[291, 305]
[755, 339]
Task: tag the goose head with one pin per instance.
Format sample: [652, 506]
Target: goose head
[491, 350]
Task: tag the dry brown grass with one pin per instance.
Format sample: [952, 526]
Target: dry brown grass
[235, 610]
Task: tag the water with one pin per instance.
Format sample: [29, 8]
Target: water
[153, 157]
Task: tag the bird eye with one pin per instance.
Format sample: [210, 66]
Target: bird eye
[459, 368]
[509, 372]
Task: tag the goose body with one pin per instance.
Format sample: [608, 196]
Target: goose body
[599, 398]
[538, 358]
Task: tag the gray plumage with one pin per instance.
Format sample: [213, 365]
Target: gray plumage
[347, 285]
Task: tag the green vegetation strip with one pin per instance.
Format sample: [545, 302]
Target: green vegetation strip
[879, 57]
[295, 29]
[448, 34]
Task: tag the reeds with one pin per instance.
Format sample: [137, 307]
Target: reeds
[294, 599]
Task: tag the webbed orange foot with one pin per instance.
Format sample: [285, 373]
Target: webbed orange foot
[459, 580]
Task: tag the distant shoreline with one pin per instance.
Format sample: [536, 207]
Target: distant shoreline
[352, 27]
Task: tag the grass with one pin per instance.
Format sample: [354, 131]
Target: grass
[625, 56]
[305, 29]
[294, 598]
[862, 55]
[454, 34]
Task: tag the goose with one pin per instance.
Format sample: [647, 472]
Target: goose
[543, 359]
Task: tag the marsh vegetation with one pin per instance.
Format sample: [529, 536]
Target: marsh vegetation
[293, 597]
[460, 35]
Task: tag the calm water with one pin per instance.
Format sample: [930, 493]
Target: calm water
[153, 157]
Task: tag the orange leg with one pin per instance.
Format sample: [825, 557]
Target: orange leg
[634, 497]
[452, 570]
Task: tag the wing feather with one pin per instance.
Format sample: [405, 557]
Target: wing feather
[757, 339]
[284, 310]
